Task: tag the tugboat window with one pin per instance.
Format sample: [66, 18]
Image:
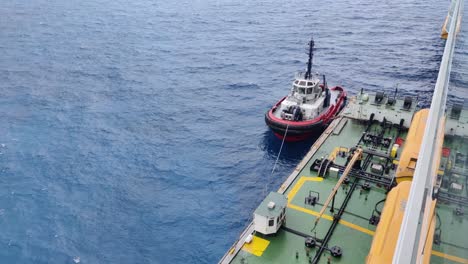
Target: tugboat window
[309, 83]
[302, 83]
[271, 222]
[309, 90]
[301, 91]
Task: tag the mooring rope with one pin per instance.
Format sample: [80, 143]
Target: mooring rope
[277, 159]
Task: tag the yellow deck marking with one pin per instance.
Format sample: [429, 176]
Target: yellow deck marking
[335, 152]
[257, 246]
[330, 218]
[308, 211]
[449, 257]
[232, 250]
[296, 189]
[299, 184]
[356, 227]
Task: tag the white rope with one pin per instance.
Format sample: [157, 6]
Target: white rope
[277, 159]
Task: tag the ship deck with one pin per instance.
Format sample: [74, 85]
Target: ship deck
[358, 199]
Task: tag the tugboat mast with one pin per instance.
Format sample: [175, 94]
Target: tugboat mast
[311, 56]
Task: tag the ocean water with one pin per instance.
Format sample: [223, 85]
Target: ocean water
[133, 131]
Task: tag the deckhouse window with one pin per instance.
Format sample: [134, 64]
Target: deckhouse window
[271, 222]
[308, 90]
[301, 91]
[302, 83]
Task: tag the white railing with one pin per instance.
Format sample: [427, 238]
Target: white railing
[410, 245]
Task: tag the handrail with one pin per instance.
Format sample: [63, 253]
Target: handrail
[416, 216]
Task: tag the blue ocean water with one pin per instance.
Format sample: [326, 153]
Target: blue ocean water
[133, 131]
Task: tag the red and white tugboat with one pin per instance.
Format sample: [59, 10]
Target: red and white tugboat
[309, 107]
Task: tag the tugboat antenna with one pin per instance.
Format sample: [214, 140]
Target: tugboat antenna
[325, 86]
[311, 56]
[396, 91]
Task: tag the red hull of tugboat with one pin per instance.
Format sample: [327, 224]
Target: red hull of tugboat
[300, 130]
[295, 138]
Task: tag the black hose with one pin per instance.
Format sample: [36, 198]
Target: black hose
[439, 221]
[379, 202]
